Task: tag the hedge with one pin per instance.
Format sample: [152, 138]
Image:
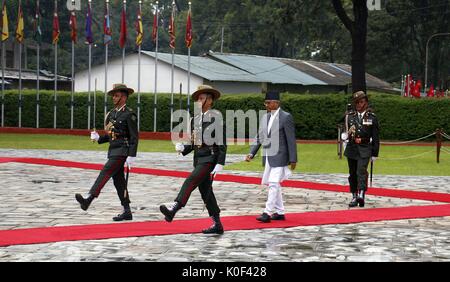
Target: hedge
[316, 116]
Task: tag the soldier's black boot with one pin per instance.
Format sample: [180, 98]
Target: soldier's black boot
[84, 203]
[353, 203]
[361, 198]
[169, 213]
[216, 228]
[125, 215]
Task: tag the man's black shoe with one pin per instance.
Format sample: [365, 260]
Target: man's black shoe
[84, 203]
[354, 202]
[126, 215]
[276, 216]
[216, 228]
[169, 213]
[361, 198]
[264, 218]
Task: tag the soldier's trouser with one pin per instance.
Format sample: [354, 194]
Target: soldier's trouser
[113, 168]
[358, 174]
[200, 177]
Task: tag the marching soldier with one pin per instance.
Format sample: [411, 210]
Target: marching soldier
[122, 135]
[362, 134]
[209, 147]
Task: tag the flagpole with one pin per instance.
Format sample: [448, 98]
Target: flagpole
[56, 73]
[38, 22]
[73, 75]
[189, 71]
[20, 70]
[3, 83]
[156, 69]
[124, 46]
[105, 97]
[89, 71]
[3, 39]
[139, 70]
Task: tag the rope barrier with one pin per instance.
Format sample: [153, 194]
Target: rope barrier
[410, 141]
[445, 150]
[406, 158]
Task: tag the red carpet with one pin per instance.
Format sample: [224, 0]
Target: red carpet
[152, 228]
[382, 192]
[188, 226]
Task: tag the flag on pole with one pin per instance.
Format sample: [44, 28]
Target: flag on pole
[56, 31]
[37, 25]
[172, 28]
[20, 26]
[107, 34]
[89, 37]
[155, 25]
[73, 26]
[4, 23]
[123, 29]
[188, 37]
[430, 92]
[139, 29]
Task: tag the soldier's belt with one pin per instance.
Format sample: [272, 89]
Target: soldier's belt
[361, 140]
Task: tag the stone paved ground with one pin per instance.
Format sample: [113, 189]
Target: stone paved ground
[36, 196]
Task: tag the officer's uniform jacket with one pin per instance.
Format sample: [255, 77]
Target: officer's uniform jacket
[208, 139]
[122, 133]
[363, 136]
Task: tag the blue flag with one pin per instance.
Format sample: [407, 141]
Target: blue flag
[89, 38]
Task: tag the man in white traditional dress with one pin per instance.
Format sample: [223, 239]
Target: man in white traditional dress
[277, 136]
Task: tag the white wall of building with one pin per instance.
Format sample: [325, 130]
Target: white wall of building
[131, 76]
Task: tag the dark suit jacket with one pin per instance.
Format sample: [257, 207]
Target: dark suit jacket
[280, 145]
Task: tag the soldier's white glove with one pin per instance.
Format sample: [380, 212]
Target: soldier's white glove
[94, 136]
[344, 136]
[130, 161]
[217, 168]
[179, 147]
[373, 159]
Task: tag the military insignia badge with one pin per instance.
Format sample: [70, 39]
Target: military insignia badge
[367, 122]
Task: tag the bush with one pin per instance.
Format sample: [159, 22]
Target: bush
[316, 116]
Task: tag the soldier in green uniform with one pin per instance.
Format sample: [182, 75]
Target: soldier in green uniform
[122, 135]
[209, 147]
[363, 145]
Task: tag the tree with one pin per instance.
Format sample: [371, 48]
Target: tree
[358, 32]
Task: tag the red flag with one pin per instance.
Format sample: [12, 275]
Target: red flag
[55, 35]
[123, 29]
[188, 37]
[430, 92]
[155, 26]
[416, 89]
[172, 29]
[73, 27]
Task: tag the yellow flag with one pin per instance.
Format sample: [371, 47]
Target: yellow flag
[19, 30]
[139, 30]
[4, 23]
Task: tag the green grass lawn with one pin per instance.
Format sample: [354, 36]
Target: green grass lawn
[313, 158]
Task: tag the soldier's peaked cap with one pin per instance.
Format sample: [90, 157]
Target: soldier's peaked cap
[206, 89]
[359, 95]
[122, 88]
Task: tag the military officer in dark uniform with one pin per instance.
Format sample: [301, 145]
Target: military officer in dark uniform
[363, 145]
[122, 135]
[209, 147]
